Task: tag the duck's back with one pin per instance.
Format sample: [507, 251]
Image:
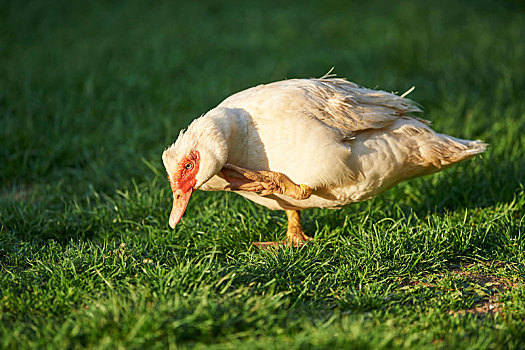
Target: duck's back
[337, 103]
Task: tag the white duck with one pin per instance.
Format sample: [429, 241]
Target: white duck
[307, 143]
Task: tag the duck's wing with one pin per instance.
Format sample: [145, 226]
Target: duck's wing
[350, 108]
[345, 107]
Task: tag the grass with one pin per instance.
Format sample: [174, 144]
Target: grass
[92, 92]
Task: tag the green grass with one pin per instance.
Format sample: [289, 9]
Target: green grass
[91, 92]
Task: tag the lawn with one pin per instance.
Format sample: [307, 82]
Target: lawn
[91, 92]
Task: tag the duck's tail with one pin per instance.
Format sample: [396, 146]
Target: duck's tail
[449, 150]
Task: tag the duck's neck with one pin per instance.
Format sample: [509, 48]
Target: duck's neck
[224, 131]
[227, 128]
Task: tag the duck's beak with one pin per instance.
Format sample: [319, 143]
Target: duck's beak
[180, 202]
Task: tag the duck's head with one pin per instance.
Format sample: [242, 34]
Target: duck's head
[196, 156]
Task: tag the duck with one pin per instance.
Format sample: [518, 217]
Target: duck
[307, 143]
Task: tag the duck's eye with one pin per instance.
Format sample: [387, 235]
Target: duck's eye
[188, 166]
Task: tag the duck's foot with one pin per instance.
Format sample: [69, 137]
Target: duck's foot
[265, 182]
[295, 236]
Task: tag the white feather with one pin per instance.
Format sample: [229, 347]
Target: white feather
[347, 142]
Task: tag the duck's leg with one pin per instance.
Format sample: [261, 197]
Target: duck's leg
[269, 182]
[295, 236]
[265, 182]
[294, 232]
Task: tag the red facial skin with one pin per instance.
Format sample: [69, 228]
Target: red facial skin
[182, 185]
